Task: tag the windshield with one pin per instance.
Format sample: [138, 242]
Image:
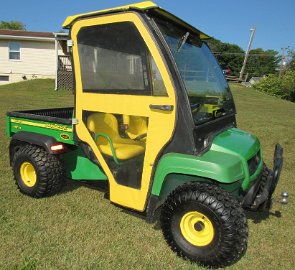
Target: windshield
[207, 89]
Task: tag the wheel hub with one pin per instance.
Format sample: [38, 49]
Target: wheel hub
[197, 228]
[28, 174]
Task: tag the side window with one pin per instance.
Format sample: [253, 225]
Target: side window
[157, 80]
[115, 59]
[14, 51]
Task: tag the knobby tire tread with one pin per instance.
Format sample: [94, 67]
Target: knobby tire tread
[232, 244]
[49, 169]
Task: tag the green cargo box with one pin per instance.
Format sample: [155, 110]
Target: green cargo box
[56, 123]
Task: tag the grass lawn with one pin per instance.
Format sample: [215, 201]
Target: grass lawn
[80, 229]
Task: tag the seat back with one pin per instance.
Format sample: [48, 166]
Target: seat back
[115, 146]
[135, 126]
[103, 123]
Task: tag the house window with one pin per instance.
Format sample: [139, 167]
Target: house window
[4, 78]
[14, 51]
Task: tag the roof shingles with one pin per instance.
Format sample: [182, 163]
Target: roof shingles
[19, 33]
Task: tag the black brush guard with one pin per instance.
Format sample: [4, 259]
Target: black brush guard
[259, 196]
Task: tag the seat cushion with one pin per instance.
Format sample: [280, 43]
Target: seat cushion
[107, 124]
[123, 151]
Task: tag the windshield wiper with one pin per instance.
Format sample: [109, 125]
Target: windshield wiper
[182, 41]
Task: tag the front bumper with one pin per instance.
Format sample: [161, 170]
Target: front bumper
[258, 197]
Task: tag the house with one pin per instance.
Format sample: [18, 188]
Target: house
[27, 55]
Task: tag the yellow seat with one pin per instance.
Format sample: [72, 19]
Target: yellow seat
[107, 124]
[136, 126]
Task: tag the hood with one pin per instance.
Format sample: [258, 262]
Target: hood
[236, 141]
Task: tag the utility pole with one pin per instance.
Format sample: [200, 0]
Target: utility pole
[283, 61]
[247, 53]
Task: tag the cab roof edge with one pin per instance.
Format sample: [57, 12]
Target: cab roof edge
[147, 5]
[141, 6]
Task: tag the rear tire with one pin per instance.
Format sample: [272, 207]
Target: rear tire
[203, 223]
[36, 172]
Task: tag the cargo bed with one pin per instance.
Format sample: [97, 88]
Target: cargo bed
[52, 122]
[57, 115]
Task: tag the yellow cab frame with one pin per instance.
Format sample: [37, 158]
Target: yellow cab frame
[159, 121]
[114, 106]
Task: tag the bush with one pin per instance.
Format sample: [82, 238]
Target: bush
[283, 87]
[270, 85]
[288, 85]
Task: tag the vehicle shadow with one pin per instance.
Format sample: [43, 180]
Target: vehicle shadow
[142, 215]
[102, 186]
[157, 222]
[131, 212]
[258, 217]
[71, 185]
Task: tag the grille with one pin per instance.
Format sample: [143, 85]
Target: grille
[253, 163]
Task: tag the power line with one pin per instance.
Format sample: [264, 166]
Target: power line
[243, 54]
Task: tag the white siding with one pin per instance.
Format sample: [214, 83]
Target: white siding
[38, 60]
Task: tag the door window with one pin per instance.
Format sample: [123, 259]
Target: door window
[115, 59]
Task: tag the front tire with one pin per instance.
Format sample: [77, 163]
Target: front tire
[37, 173]
[203, 223]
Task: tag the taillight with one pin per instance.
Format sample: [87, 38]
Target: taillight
[57, 147]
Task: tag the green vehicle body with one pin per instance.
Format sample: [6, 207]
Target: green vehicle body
[60, 132]
[224, 163]
[77, 166]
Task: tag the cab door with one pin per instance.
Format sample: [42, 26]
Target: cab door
[119, 70]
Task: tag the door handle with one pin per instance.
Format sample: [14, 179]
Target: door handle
[168, 108]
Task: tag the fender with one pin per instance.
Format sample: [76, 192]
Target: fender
[221, 167]
[43, 141]
[177, 169]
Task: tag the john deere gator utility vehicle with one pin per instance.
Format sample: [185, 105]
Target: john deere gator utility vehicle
[155, 119]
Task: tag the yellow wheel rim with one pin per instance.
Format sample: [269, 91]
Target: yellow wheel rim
[28, 174]
[197, 229]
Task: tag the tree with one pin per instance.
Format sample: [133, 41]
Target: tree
[261, 62]
[291, 62]
[12, 25]
[228, 55]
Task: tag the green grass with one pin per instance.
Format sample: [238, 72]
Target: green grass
[80, 229]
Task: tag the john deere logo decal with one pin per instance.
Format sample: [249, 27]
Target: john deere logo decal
[65, 136]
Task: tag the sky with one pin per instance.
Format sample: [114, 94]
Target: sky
[227, 20]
